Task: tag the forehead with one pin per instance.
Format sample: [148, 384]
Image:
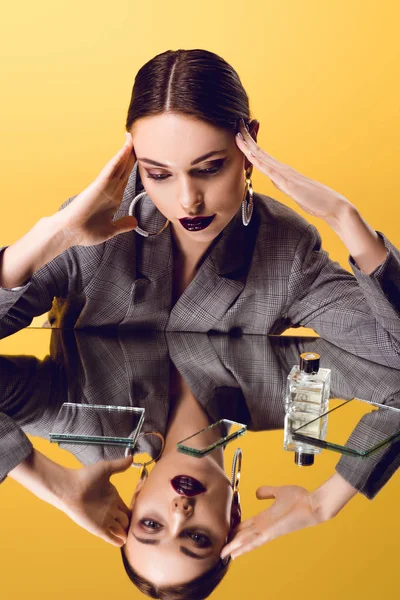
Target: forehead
[174, 122]
[171, 138]
[164, 564]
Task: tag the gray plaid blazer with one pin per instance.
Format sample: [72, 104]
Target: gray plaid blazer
[243, 379]
[258, 279]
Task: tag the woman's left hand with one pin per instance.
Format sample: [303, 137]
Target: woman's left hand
[93, 502]
[313, 197]
[293, 509]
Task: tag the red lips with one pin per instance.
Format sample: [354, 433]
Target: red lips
[184, 485]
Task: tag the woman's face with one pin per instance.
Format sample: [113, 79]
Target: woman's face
[174, 538]
[210, 187]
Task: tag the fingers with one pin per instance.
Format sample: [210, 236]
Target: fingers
[113, 540]
[124, 176]
[127, 161]
[117, 166]
[123, 519]
[248, 540]
[120, 464]
[266, 491]
[123, 225]
[244, 525]
[249, 145]
[118, 533]
[250, 543]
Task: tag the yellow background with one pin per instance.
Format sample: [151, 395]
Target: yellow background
[323, 82]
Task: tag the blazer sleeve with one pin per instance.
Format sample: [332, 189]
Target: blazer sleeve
[358, 312]
[31, 394]
[369, 474]
[67, 273]
[15, 445]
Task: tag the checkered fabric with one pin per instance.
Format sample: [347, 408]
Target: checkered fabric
[259, 279]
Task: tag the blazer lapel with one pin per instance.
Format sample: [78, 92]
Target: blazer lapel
[138, 274]
[151, 293]
[218, 282]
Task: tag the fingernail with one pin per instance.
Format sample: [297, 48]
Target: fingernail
[239, 135]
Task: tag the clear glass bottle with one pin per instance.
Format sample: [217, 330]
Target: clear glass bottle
[307, 397]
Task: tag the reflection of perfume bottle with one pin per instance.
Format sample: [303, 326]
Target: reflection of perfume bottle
[307, 397]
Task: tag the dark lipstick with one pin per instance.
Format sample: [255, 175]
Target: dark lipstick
[184, 485]
[196, 223]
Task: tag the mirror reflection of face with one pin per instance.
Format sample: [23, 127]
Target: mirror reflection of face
[175, 538]
[213, 186]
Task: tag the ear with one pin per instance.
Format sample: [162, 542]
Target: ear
[236, 512]
[138, 487]
[253, 127]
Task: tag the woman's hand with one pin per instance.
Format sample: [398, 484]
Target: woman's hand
[293, 509]
[87, 220]
[313, 197]
[360, 239]
[92, 501]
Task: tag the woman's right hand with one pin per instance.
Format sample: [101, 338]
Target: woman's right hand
[88, 219]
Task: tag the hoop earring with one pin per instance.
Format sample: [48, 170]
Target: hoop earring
[235, 476]
[139, 229]
[236, 513]
[247, 203]
[144, 472]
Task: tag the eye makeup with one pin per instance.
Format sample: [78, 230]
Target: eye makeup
[216, 167]
[199, 539]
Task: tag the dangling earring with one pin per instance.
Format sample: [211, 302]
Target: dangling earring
[247, 203]
[236, 513]
[143, 466]
[235, 476]
[138, 229]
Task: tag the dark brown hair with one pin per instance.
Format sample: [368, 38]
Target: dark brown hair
[200, 84]
[197, 589]
[194, 82]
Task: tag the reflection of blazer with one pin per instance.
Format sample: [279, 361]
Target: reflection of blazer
[259, 279]
[243, 379]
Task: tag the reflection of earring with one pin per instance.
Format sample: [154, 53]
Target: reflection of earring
[138, 229]
[235, 477]
[247, 203]
[144, 472]
[236, 513]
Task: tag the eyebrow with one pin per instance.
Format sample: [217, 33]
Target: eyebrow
[194, 162]
[181, 548]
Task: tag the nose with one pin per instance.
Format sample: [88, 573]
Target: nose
[192, 208]
[191, 203]
[183, 506]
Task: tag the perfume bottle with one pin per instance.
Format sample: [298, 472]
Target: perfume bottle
[307, 397]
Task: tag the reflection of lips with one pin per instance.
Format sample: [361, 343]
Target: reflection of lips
[184, 485]
[196, 223]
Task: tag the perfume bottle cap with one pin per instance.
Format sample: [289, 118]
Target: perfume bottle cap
[303, 459]
[309, 362]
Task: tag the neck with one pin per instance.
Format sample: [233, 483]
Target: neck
[186, 418]
[186, 250]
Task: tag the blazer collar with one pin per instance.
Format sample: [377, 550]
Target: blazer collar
[218, 282]
[229, 252]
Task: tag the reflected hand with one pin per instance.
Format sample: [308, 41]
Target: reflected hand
[92, 501]
[292, 510]
[313, 197]
[87, 220]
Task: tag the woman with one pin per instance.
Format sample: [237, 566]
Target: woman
[183, 519]
[218, 257]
